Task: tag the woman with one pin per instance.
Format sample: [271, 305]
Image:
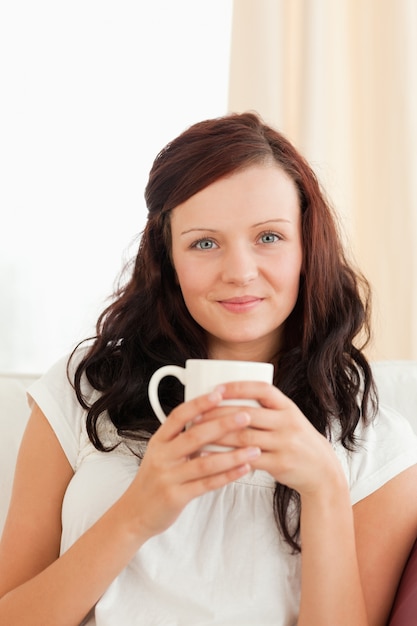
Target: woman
[240, 259]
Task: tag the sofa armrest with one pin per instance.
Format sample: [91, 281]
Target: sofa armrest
[404, 610]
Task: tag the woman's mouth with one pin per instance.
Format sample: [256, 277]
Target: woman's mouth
[240, 304]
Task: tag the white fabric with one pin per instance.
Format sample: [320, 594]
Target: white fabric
[223, 561]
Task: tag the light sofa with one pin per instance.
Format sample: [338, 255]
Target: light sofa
[397, 384]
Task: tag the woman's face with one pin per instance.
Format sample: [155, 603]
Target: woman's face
[237, 253]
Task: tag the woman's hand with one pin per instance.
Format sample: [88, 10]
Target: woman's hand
[297, 455]
[293, 451]
[173, 471]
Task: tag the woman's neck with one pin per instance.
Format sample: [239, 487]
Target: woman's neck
[242, 352]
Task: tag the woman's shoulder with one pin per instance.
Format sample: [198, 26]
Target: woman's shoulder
[388, 429]
[55, 395]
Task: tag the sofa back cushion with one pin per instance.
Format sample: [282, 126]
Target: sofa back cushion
[397, 386]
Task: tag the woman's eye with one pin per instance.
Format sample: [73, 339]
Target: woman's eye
[269, 238]
[204, 244]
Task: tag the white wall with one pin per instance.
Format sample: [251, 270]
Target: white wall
[90, 92]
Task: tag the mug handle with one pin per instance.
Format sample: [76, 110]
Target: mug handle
[157, 376]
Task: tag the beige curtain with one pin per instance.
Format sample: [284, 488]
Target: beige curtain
[339, 78]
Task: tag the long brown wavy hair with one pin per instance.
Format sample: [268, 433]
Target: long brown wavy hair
[320, 366]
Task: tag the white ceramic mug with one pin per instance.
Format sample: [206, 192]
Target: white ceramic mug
[201, 376]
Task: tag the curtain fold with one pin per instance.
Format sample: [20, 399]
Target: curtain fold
[339, 78]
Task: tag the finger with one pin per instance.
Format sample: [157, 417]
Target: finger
[187, 412]
[206, 466]
[260, 417]
[267, 395]
[202, 433]
[266, 440]
[216, 481]
[208, 478]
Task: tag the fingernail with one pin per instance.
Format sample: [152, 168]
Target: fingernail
[215, 396]
[242, 418]
[197, 419]
[252, 453]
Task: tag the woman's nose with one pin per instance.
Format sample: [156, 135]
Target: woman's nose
[240, 266]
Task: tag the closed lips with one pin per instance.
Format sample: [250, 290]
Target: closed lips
[241, 304]
[241, 300]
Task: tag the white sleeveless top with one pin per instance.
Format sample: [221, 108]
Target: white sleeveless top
[222, 562]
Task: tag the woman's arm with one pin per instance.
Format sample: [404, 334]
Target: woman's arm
[331, 590]
[32, 531]
[385, 530]
[374, 541]
[39, 587]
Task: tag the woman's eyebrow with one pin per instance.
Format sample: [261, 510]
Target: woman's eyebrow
[199, 229]
[277, 219]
